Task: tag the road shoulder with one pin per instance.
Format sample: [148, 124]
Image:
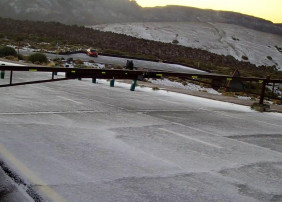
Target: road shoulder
[10, 191]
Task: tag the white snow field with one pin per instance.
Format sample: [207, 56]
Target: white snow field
[217, 38]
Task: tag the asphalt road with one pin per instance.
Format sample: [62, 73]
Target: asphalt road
[78, 141]
[122, 62]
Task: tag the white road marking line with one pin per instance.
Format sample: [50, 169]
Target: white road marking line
[51, 112]
[226, 137]
[80, 103]
[269, 123]
[172, 102]
[196, 129]
[191, 138]
[236, 117]
[32, 178]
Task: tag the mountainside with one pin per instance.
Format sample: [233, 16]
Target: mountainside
[260, 48]
[39, 33]
[90, 12]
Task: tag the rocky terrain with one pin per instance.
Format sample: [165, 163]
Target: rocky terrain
[122, 45]
[259, 48]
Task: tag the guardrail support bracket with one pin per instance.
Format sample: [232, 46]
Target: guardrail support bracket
[2, 74]
[133, 85]
[112, 83]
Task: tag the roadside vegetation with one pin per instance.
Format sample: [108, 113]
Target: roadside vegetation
[278, 48]
[175, 41]
[38, 58]
[6, 51]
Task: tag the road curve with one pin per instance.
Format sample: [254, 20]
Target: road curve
[122, 62]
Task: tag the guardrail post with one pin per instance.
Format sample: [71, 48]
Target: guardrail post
[56, 65]
[2, 74]
[112, 82]
[11, 77]
[273, 85]
[133, 85]
[94, 80]
[262, 94]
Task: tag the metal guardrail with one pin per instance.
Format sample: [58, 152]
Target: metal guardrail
[78, 73]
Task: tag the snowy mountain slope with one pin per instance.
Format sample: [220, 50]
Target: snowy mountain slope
[218, 38]
[90, 12]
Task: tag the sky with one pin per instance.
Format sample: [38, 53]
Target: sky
[266, 9]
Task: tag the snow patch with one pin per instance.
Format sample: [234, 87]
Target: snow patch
[189, 86]
[217, 38]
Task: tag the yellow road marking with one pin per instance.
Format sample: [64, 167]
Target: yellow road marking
[44, 188]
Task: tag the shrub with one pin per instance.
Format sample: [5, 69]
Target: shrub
[78, 62]
[278, 48]
[70, 59]
[175, 41]
[21, 57]
[235, 39]
[269, 57]
[10, 57]
[38, 58]
[229, 94]
[277, 102]
[245, 57]
[7, 51]
[230, 58]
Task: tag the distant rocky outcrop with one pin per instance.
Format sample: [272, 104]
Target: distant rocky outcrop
[90, 12]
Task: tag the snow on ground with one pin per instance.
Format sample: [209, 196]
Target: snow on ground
[189, 86]
[163, 82]
[218, 38]
[9, 63]
[193, 99]
[244, 98]
[94, 65]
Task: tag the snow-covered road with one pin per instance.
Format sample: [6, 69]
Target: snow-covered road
[122, 62]
[78, 141]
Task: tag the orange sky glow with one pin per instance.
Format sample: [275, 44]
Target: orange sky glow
[266, 9]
